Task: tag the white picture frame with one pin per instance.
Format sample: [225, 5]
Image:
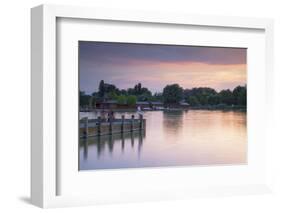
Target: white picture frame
[45, 168]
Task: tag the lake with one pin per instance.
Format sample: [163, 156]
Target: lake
[174, 138]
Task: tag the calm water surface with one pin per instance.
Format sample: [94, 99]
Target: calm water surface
[179, 138]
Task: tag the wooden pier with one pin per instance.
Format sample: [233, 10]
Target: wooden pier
[99, 127]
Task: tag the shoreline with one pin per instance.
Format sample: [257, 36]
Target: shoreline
[224, 108]
[209, 108]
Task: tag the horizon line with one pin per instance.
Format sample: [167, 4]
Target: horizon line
[245, 85]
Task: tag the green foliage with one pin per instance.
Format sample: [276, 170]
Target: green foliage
[92, 102]
[192, 100]
[111, 92]
[226, 97]
[207, 96]
[107, 90]
[203, 99]
[112, 95]
[240, 95]
[155, 97]
[172, 94]
[137, 89]
[101, 89]
[142, 93]
[84, 99]
[121, 99]
[131, 100]
[123, 92]
[214, 99]
[200, 96]
[158, 96]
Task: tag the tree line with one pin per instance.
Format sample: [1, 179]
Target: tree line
[208, 96]
[171, 94]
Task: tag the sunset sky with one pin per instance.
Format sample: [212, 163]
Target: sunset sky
[155, 66]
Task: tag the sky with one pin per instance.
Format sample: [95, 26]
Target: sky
[155, 66]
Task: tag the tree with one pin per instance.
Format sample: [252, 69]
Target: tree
[158, 96]
[121, 99]
[203, 99]
[112, 95]
[240, 95]
[214, 99]
[123, 92]
[142, 93]
[131, 100]
[93, 102]
[192, 100]
[131, 91]
[202, 94]
[83, 99]
[110, 88]
[172, 94]
[226, 97]
[145, 91]
[139, 88]
[101, 89]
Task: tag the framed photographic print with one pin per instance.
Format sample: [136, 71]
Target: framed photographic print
[150, 105]
[132, 106]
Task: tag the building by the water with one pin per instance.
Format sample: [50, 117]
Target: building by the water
[144, 105]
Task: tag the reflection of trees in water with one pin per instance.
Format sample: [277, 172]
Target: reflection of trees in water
[173, 120]
[100, 142]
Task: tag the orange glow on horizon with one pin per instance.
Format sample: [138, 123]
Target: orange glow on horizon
[189, 74]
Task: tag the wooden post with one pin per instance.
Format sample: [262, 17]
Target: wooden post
[85, 133]
[132, 123]
[122, 123]
[141, 121]
[99, 126]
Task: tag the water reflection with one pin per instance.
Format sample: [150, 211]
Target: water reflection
[100, 142]
[173, 120]
[84, 143]
[171, 138]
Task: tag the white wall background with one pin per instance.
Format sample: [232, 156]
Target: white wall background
[15, 104]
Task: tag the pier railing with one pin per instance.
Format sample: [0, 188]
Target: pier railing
[98, 127]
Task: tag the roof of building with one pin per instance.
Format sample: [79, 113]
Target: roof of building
[156, 102]
[142, 102]
[149, 102]
[184, 103]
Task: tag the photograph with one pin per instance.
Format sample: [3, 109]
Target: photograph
[145, 105]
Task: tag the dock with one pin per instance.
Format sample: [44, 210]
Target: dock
[99, 127]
